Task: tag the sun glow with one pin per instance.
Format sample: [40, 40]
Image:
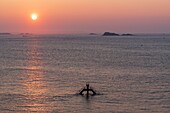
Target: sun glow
[34, 16]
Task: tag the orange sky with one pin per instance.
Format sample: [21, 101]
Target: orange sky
[83, 16]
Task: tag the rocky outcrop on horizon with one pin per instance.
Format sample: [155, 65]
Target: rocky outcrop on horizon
[110, 34]
[128, 34]
[115, 34]
[92, 33]
[5, 33]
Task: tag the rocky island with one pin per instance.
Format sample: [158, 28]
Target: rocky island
[92, 34]
[5, 33]
[127, 34]
[115, 34]
[110, 34]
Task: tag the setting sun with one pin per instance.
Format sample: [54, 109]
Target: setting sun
[34, 16]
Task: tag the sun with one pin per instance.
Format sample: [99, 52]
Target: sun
[34, 16]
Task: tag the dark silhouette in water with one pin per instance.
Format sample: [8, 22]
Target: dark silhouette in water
[87, 89]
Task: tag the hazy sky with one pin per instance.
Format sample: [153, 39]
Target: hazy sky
[83, 16]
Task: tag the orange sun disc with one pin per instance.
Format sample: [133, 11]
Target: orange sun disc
[34, 16]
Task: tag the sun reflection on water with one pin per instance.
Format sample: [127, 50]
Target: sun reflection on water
[34, 82]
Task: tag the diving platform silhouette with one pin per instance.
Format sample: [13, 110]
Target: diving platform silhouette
[87, 90]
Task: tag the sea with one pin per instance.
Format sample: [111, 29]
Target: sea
[45, 73]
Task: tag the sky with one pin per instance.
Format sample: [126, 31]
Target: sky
[85, 16]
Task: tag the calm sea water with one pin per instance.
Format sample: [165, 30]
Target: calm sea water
[44, 73]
